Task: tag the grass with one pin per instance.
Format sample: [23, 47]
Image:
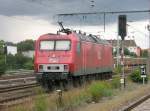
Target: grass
[115, 83]
[20, 108]
[120, 99]
[106, 94]
[41, 103]
[73, 98]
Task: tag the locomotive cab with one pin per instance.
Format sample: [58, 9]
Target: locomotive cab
[53, 57]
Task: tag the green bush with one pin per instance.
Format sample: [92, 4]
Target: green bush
[115, 83]
[77, 100]
[28, 65]
[136, 76]
[99, 89]
[20, 60]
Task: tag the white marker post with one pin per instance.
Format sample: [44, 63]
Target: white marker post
[143, 73]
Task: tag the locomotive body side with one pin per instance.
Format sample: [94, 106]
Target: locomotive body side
[91, 58]
[71, 57]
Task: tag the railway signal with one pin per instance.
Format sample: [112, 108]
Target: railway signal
[122, 26]
[122, 32]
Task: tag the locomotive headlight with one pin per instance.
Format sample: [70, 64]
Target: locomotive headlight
[66, 67]
[40, 67]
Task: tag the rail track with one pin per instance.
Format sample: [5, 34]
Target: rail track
[136, 103]
[16, 89]
[11, 95]
[16, 92]
[17, 74]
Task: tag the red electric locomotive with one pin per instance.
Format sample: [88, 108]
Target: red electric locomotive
[71, 57]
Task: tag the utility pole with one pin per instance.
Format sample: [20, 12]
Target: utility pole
[148, 67]
[148, 27]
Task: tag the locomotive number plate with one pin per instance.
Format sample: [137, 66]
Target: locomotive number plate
[53, 60]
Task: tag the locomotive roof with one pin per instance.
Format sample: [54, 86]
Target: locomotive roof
[83, 37]
[92, 38]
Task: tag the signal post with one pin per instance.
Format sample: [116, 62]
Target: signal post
[122, 32]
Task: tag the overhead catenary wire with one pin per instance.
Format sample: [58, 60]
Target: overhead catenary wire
[105, 12]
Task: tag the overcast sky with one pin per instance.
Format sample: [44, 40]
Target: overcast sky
[27, 19]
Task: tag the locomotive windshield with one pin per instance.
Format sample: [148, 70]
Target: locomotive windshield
[46, 45]
[62, 45]
[55, 45]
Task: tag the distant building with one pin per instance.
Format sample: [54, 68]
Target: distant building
[129, 44]
[29, 53]
[11, 50]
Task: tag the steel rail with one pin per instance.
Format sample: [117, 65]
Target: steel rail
[16, 76]
[135, 103]
[17, 87]
[17, 79]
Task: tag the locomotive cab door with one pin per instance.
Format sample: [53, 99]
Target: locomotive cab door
[81, 52]
[84, 58]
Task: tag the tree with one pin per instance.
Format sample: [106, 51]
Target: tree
[133, 54]
[1, 47]
[19, 62]
[144, 53]
[29, 64]
[11, 62]
[25, 45]
[126, 51]
[2, 64]
[2, 58]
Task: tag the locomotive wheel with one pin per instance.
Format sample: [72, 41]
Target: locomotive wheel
[76, 81]
[47, 86]
[68, 84]
[82, 81]
[88, 79]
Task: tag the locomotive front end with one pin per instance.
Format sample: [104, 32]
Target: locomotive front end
[53, 58]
